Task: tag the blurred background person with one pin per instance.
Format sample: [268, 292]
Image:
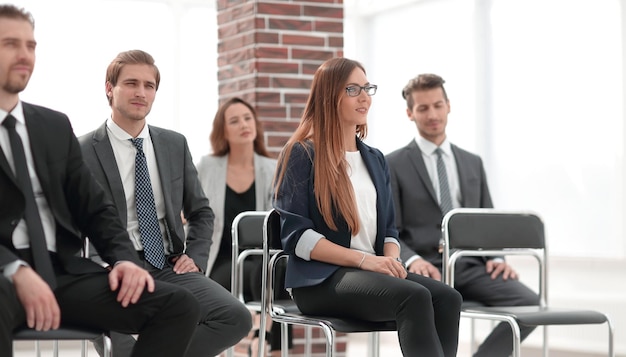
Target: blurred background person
[237, 177]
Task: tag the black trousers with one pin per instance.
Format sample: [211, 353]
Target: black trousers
[222, 321]
[426, 311]
[474, 283]
[165, 319]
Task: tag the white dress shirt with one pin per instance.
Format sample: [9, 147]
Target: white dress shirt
[430, 160]
[125, 152]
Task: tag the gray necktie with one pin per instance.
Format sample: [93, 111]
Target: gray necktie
[445, 200]
[151, 236]
[37, 238]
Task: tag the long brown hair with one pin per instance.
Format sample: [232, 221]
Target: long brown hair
[219, 144]
[322, 126]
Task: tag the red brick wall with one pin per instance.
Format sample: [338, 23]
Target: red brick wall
[268, 52]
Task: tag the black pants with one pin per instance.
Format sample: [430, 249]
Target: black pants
[426, 311]
[474, 283]
[165, 319]
[223, 320]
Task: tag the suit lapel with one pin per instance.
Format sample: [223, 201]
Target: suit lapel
[106, 158]
[462, 170]
[414, 155]
[36, 130]
[164, 164]
[5, 168]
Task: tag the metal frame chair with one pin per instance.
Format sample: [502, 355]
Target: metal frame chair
[491, 232]
[273, 255]
[65, 332]
[247, 241]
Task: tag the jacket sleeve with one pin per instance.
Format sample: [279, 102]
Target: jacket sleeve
[295, 196]
[198, 213]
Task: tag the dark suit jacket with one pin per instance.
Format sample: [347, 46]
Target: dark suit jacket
[418, 215]
[298, 211]
[76, 200]
[179, 181]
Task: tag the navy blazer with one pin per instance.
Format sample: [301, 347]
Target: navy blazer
[179, 182]
[299, 212]
[418, 213]
[76, 200]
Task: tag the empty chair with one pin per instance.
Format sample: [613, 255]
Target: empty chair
[491, 232]
[247, 241]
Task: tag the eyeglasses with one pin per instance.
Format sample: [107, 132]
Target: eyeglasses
[354, 90]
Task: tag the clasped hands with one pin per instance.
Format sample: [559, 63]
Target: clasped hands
[385, 265]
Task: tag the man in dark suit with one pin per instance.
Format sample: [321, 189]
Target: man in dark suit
[421, 200]
[110, 151]
[48, 197]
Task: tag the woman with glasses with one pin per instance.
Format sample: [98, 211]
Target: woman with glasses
[337, 217]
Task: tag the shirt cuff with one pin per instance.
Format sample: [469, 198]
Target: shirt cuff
[307, 242]
[393, 240]
[411, 260]
[10, 269]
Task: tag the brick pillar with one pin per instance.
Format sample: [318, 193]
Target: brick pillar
[268, 52]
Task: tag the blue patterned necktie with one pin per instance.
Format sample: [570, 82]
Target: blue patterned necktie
[37, 238]
[445, 200]
[149, 229]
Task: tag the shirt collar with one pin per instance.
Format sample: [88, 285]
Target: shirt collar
[429, 147]
[17, 112]
[121, 134]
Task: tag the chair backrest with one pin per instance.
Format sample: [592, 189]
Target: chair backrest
[492, 232]
[247, 229]
[272, 233]
[247, 236]
[475, 228]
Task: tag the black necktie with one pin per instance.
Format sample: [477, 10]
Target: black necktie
[38, 246]
[149, 229]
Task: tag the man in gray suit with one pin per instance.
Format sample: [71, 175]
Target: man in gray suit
[416, 185]
[124, 144]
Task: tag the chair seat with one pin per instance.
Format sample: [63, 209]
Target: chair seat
[63, 333]
[345, 325]
[538, 316]
[468, 304]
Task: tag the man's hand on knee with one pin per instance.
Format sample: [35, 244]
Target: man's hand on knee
[131, 280]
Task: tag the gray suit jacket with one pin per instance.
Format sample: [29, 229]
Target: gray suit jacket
[418, 215]
[212, 173]
[179, 181]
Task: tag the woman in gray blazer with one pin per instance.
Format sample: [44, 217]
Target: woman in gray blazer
[236, 177]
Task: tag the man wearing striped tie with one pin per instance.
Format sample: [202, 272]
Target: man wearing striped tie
[431, 176]
[149, 174]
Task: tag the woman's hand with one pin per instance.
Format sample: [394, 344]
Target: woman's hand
[384, 265]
